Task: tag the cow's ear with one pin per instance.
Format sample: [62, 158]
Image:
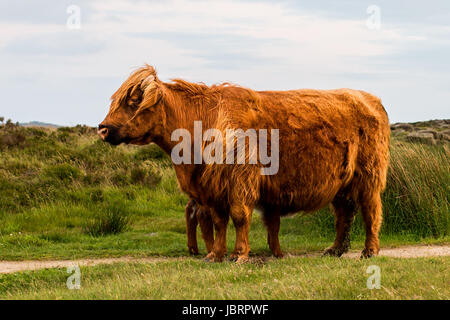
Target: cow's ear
[151, 91]
[149, 81]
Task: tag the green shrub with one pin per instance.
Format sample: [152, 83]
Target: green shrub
[120, 179]
[11, 135]
[96, 195]
[144, 176]
[64, 137]
[62, 172]
[92, 179]
[113, 219]
[152, 151]
[138, 175]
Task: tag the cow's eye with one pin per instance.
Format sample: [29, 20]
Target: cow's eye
[134, 102]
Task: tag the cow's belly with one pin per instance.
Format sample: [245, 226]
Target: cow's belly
[304, 182]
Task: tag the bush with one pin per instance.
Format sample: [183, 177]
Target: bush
[113, 219]
[11, 135]
[138, 175]
[152, 151]
[62, 172]
[144, 176]
[96, 195]
[120, 179]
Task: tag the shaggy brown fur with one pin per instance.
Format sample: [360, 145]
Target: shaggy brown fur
[333, 148]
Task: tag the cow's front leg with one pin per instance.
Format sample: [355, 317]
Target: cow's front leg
[220, 221]
[241, 215]
[207, 227]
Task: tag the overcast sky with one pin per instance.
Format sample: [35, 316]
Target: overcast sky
[52, 73]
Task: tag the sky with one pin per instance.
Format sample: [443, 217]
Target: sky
[60, 61]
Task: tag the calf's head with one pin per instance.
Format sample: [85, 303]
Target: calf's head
[135, 114]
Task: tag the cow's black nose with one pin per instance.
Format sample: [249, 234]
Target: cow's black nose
[109, 133]
[103, 131]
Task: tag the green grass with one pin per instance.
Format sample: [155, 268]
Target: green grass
[165, 236]
[417, 196]
[290, 278]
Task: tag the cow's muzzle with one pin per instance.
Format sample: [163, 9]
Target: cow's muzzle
[109, 134]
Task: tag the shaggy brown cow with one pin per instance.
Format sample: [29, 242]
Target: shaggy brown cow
[333, 148]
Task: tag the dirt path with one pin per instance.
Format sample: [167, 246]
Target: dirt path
[410, 252]
[401, 252]
[16, 266]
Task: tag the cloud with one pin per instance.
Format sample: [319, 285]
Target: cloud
[205, 34]
[56, 44]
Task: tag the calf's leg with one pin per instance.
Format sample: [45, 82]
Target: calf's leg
[191, 226]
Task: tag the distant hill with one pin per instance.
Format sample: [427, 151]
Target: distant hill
[39, 124]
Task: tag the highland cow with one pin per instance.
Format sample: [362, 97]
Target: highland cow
[333, 148]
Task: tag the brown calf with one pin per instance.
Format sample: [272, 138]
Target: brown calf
[197, 215]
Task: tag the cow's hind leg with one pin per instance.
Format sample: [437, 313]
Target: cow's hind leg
[191, 226]
[344, 210]
[207, 227]
[272, 222]
[371, 210]
[220, 221]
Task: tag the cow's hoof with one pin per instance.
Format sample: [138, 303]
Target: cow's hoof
[233, 257]
[212, 257]
[242, 259]
[333, 252]
[193, 251]
[368, 253]
[278, 255]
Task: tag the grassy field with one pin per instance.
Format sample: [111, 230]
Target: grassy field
[289, 278]
[64, 194]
